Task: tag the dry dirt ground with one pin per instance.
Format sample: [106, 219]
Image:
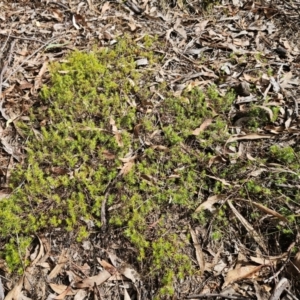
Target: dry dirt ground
[251, 47]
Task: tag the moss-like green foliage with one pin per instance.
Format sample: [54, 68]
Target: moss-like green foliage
[96, 111]
[284, 155]
[99, 110]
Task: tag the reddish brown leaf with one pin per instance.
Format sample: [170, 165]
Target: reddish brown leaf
[202, 127]
[127, 167]
[107, 266]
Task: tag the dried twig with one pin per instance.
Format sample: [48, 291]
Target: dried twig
[282, 267]
[103, 204]
[233, 297]
[59, 4]
[296, 105]
[22, 38]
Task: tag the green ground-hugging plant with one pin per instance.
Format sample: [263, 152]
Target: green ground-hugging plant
[73, 155]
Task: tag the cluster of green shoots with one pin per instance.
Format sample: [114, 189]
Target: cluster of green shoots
[73, 155]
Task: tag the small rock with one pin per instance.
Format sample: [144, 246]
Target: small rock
[243, 89]
[281, 51]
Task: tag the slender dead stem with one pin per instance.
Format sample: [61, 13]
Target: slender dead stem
[22, 38]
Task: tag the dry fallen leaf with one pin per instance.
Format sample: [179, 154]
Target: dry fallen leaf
[38, 79]
[117, 277]
[132, 25]
[141, 62]
[63, 259]
[216, 159]
[90, 281]
[199, 27]
[130, 273]
[268, 110]
[62, 290]
[81, 295]
[40, 254]
[14, 294]
[124, 268]
[57, 14]
[160, 147]
[275, 85]
[72, 276]
[250, 78]
[105, 7]
[241, 273]
[107, 266]
[208, 204]
[269, 211]
[295, 267]
[202, 127]
[126, 295]
[199, 253]
[80, 19]
[252, 136]
[4, 195]
[108, 155]
[116, 132]
[58, 288]
[115, 260]
[220, 179]
[67, 292]
[127, 167]
[270, 260]
[257, 172]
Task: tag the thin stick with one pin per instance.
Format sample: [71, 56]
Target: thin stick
[233, 297]
[296, 106]
[21, 38]
[103, 204]
[59, 4]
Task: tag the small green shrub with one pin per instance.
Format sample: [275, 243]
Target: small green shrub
[88, 117]
[283, 154]
[258, 118]
[15, 251]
